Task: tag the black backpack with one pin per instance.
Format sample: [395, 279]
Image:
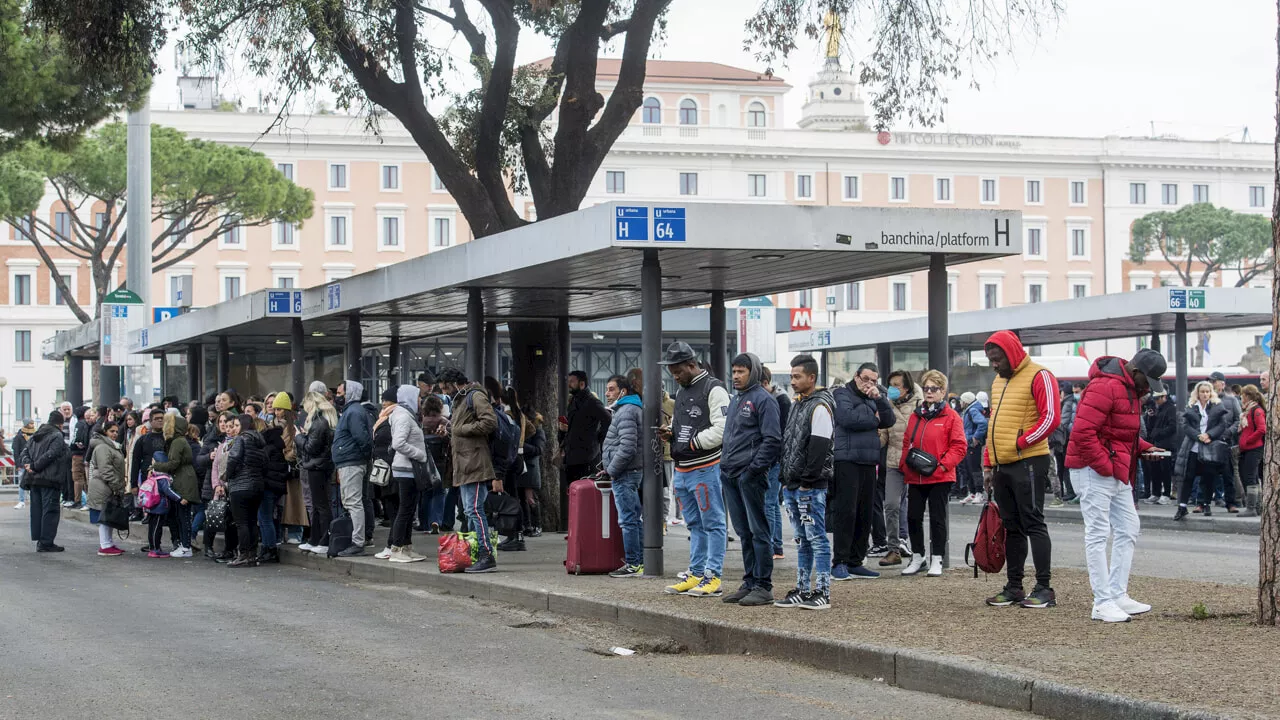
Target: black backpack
[504, 443]
[503, 512]
[340, 535]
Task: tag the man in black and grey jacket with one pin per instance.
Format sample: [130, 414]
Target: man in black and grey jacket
[48, 469]
[807, 467]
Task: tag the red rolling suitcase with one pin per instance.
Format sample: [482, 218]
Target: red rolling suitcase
[595, 540]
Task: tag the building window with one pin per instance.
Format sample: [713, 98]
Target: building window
[1035, 292]
[284, 234]
[175, 287]
[756, 115]
[688, 112]
[851, 188]
[756, 185]
[437, 185]
[942, 189]
[900, 296]
[390, 232]
[337, 176]
[652, 111]
[286, 169]
[615, 181]
[286, 281]
[100, 220]
[804, 187]
[1079, 243]
[688, 183]
[1033, 192]
[990, 295]
[22, 346]
[1079, 290]
[232, 237]
[441, 232]
[898, 189]
[804, 298]
[1035, 242]
[21, 289]
[22, 400]
[1137, 193]
[390, 177]
[1169, 194]
[1200, 193]
[58, 297]
[1077, 192]
[62, 225]
[338, 230]
[951, 296]
[854, 296]
[1140, 286]
[231, 287]
[25, 229]
[1257, 196]
[989, 191]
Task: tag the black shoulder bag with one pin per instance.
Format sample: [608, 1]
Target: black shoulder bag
[922, 463]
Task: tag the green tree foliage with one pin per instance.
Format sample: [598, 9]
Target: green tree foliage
[200, 190]
[48, 90]
[1216, 238]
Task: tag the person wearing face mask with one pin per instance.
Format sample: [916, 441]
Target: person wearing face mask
[862, 410]
[903, 394]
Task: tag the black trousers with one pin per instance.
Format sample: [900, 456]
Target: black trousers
[1018, 490]
[321, 512]
[155, 531]
[1064, 475]
[1250, 464]
[229, 533]
[933, 495]
[405, 506]
[1207, 474]
[45, 514]
[850, 500]
[1159, 474]
[244, 508]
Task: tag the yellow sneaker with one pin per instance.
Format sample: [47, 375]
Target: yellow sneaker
[709, 587]
[684, 586]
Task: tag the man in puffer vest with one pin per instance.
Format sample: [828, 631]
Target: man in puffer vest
[1102, 455]
[1024, 412]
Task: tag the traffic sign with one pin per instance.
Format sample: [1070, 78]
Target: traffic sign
[160, 314]
[1177, 299]
[632, 223]
[1195, 300]
[334, 294]
[1266, 342]
[1187, 299]
[668, 224]
[284, 303]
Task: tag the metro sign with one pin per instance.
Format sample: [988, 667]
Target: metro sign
[801, 319]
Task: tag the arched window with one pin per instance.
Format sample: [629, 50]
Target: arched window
[756, 115]
[688, 112]
[652, 111]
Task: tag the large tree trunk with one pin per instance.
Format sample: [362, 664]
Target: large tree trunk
[535, 362]
[1269, 534]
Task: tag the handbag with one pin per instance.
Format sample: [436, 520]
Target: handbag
[425, 475]
[1215, 452]
[114, 515]
[921, 462]
[380, 473]
[215, 515]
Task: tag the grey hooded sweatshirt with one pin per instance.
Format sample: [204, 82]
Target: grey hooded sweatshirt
[406, 434]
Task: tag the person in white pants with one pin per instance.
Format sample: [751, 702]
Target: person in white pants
[1102, 455]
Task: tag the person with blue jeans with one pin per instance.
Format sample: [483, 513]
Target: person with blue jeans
[472, 424]
[623, 462]
[807, 469]
[752, 442]
[696, 434]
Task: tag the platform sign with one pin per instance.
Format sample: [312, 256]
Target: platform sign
[284, 303]
[668, 224]
[757, 332]
[334, 295]
[160, 314]
[121, 313]
[631, 224]
[1186, 299]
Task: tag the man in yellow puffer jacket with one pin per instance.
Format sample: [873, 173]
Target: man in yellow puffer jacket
[1024, 412]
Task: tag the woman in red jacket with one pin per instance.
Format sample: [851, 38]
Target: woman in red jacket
[937, 430]
[1253, 429]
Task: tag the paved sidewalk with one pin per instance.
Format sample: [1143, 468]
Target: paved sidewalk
[1154, 517]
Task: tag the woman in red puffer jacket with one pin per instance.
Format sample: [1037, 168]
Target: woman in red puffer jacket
[938, 430]
[1253, 430]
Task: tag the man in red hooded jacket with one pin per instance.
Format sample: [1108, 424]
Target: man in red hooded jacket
[1102, 455]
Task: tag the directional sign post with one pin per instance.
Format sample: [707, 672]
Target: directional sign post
[668, 224]
[284, 303]
[160, 314]
[631, 224]
[334, 295]
[122, 312]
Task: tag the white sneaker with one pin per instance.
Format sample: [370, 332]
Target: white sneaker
[979, 498]
[181, 552]
[68, 504]
[935, 567]
[293, 541]
[915, 566]
[1110, 612]
[1166, 500]
[967, 499]
[385, 554]
[306, 547]
[320, 549]
[406, 555]
[1131, 606]
[19, 506]
[904, 547]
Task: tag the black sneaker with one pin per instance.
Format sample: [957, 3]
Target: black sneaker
[435, 529]
[534, 532]
[511, 544]
[352, 551]
[792, 599]
[485, 564]
[878, 551]
[815, 601]
[49, 548]
[1181, 514]
[733, 597]
[1006, 597]
[1206, 510]
[628, 571]
[1040, 597]
[758, 596]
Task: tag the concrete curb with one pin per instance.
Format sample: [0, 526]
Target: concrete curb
[948, 676]
[1194, 523]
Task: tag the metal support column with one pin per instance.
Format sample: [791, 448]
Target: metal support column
[138, 227]
[475, 336]
[719, 340]
[395, 359]
[650, 354]
[884, 359]
[297, 364]
[195, 371]
[491, 351]
[73, 381]
[224, 363]
[564, 352]
[1180, 358]
[939, 356]
[355, 349]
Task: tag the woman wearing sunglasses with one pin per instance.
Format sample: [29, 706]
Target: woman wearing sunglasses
[932, 446]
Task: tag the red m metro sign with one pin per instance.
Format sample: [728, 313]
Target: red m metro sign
[801, 319]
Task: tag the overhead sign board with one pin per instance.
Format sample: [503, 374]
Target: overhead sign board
[121, 313]
[631, 224]
[801, 319]
[160, 314]
[1186, 299]
[668, 224]
[284, 303]
[757, 332]
[333, 294]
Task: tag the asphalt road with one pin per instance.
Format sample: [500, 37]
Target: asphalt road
[83, 636]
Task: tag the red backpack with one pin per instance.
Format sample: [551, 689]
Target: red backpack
[987, 547]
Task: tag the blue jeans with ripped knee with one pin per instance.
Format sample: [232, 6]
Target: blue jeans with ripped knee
[807, 508]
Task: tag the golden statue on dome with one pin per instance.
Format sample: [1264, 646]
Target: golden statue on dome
[832, 24]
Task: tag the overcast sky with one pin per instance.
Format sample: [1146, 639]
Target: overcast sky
[1198, 70]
